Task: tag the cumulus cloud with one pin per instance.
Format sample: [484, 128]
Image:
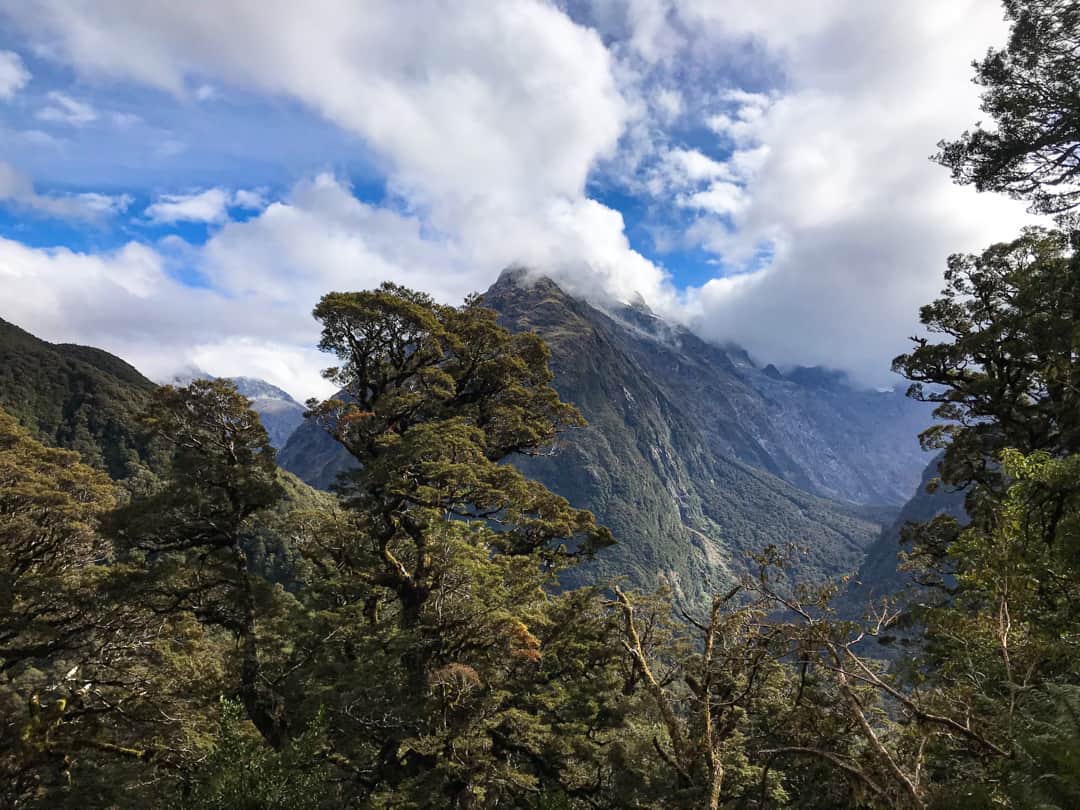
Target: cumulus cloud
[210, 205]
[127, 302]
[827, 169]
[17, 189]
[755, 132]
[264, 277]
[13, 75]
[456, 98]
[251, 199]
[487, 117]
[63, 109]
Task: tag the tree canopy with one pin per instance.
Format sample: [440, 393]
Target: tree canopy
[1029, 91]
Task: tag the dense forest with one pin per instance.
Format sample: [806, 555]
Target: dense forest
[182, 624]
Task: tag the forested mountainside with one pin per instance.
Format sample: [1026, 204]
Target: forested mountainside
[693, 456]
[75, 397]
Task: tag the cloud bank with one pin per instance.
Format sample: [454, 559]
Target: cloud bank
[787, 154]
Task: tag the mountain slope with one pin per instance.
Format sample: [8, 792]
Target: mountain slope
[279, 413]
[879, 574]
[681, 458]
[808, 427]
[75, 397]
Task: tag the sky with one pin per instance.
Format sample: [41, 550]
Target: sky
[181, 182]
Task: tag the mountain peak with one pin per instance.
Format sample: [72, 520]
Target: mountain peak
[521, 277]
[638, 303]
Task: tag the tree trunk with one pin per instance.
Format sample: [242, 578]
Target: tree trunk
[263, 706]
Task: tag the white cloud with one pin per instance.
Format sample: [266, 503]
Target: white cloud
[669, 102]
[719, 198]
[126, 302]
[266, 273]
[63, 109]
[486, 117]
[690, 165]
[13, 75]
[830, 171]
[17, 189]
[210, 206]
[319, 238]
[459, 99]
[250, 199]
[487, 120]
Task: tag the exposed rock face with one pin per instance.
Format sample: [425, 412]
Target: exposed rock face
[808, 427]
[693, 456]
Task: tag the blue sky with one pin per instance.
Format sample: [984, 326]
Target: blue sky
[180, 185]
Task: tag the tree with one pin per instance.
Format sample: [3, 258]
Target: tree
[451, 673]
[187, 541]
[1007, 373]
[50, 506]
[1030, 93]
[436, 397]
[242, 773]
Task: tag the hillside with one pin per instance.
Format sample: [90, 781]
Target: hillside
[74, 397]
[808, 427]
[879, 575]
[683, 458]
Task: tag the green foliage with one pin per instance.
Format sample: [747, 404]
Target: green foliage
[242, 773]
[50, 504]
[1006, 372]
[1048, 755]
[438, 397]
[1029, 92]
[188, 539]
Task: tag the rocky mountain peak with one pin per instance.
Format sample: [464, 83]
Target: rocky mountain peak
[689, 443]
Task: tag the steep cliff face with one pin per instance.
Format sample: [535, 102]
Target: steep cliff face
[808, 427]
[693, 456]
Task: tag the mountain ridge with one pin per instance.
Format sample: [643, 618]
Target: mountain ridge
[677, 473]
[75, 397]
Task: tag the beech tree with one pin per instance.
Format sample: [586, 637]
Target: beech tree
[1002, 361]
[189, 538]
[50, 506]
[434, 399]
[1029, 91]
